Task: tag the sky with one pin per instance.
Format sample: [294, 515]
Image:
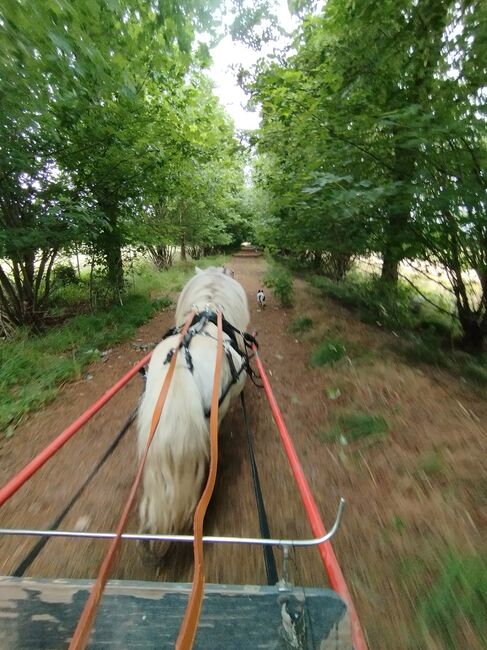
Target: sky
[228, 53]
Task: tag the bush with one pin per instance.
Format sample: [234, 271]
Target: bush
[328, 352]
[65, 274]
[426, 349]
[399, 308]
[476, 372]
[300, 325]
[281, 283]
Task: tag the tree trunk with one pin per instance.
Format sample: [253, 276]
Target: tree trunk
[162, 256]
[111, 241]
[77, 262]
[474, 332]
[391, 259]
[183, 249]
[25, 292]
[395, 231]
[429, 21]
[113, 255]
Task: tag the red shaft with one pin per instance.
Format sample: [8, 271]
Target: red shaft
[335, 575]
[36, 463]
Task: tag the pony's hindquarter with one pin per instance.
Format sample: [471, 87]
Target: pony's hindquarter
[177, 460]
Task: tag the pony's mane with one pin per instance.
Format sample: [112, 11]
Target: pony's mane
[214, 270]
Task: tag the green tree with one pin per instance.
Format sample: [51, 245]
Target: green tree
[99, 117]
[375, 117]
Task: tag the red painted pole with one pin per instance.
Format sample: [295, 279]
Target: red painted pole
[332, 568]
[36, 463]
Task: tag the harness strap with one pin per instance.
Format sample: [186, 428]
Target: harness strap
[269, 559]
[197, 326]
[235, 375]
[81, 634]
[231, 330]
[200, 320]
[187, 631]
[233, 370]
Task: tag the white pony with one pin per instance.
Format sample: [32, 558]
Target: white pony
[177, 462]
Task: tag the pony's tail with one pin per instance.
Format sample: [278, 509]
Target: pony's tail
[177, 461]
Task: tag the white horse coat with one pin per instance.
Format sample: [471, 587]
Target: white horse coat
[177, 462]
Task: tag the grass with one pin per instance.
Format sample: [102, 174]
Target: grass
[475, 371]
[455, 606]
[428, 334]
[32, 368]
[333, 392]
[431, 464]
[427, 350]
[143, 279]
[328, 352]
[391, 308]
[301, 325]
[355, 425]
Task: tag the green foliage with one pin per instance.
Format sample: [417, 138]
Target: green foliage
[355, 425]
[428, 333]
[301, 325]
[476, 372]
[391, 307]
[68, 297]
[333, 393]
[146, 280]
[373, 141]
[111, 136]
[456, 602]
[376, 303]
[281, 283]
[418, 350]
[461, 364]
[328, 352]
[65, 274]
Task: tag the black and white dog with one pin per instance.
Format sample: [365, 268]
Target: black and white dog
[261, 298]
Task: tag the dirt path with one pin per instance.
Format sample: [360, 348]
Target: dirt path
[398, 510]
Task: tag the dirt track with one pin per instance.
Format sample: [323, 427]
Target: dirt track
[393, 511]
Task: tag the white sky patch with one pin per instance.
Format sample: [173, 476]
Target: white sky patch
[229, 53]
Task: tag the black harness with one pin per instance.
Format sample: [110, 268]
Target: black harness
[197, 326]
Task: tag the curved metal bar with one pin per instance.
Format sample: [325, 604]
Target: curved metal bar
[183, 538]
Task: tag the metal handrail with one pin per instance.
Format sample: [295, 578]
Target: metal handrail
[183, 538]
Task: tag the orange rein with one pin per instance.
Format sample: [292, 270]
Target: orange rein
[81, 634]
[189, 625]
